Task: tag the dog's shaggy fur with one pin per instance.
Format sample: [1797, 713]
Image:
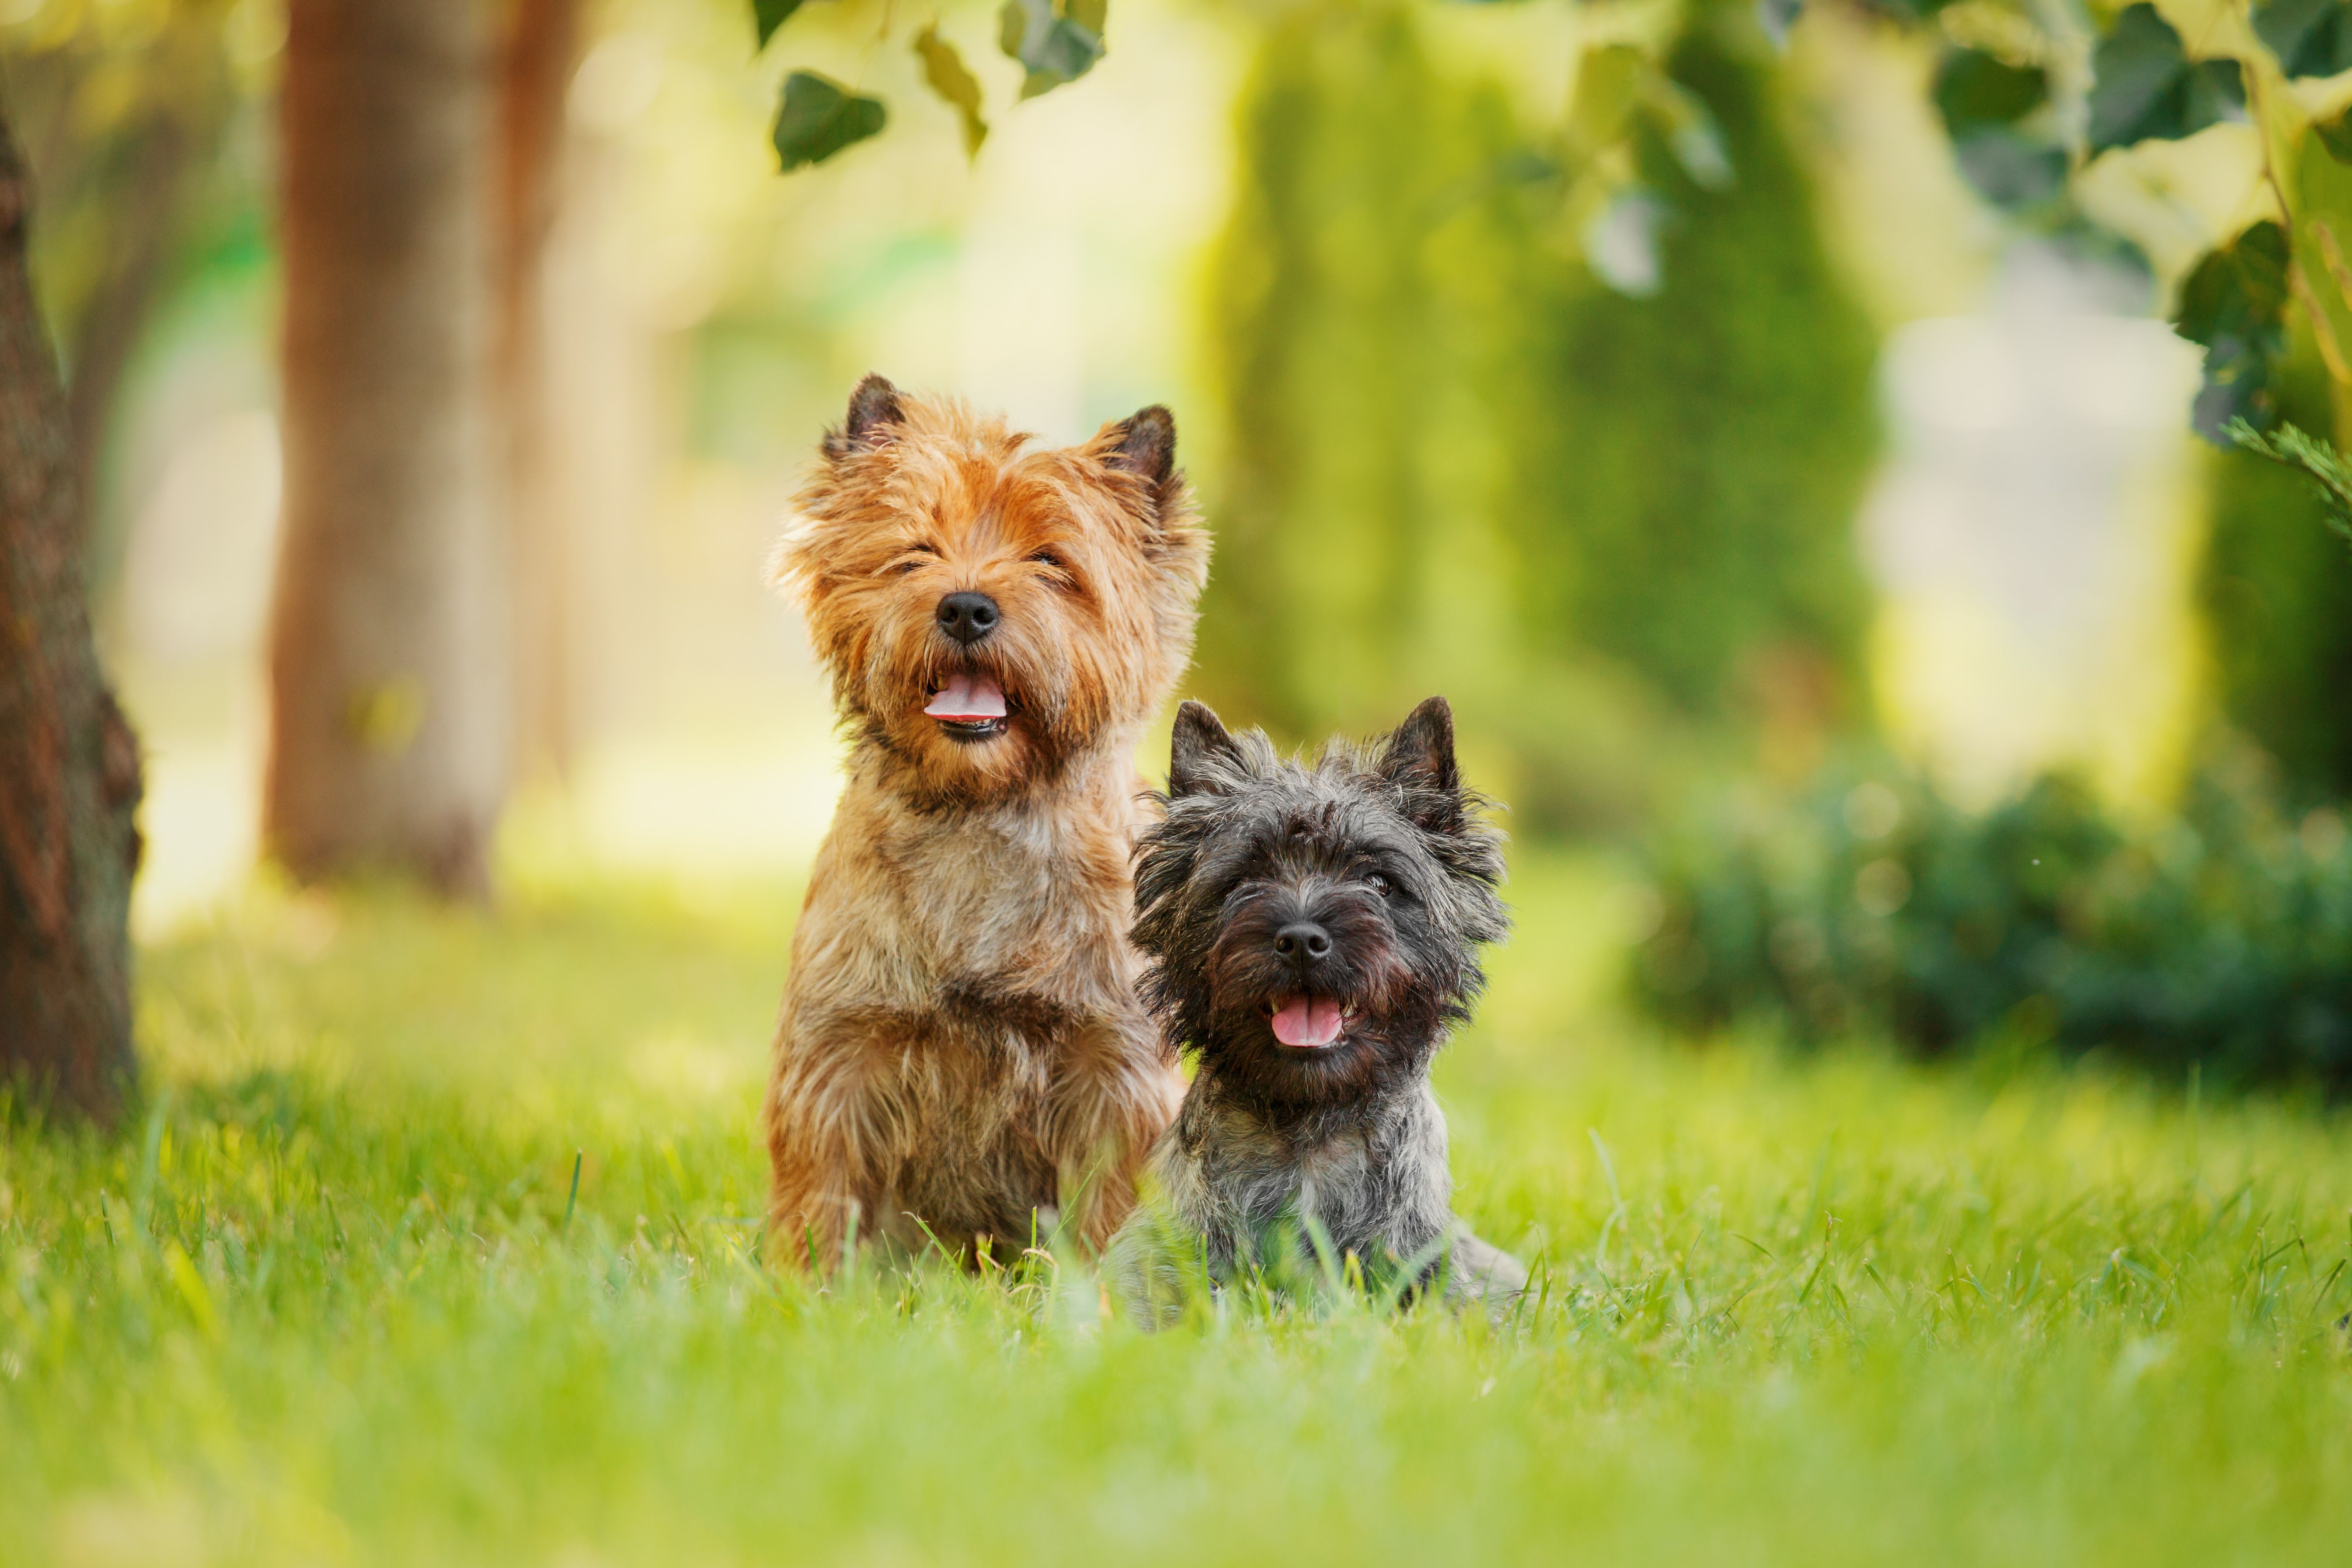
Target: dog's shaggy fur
[1313, 934]
[960, 1047]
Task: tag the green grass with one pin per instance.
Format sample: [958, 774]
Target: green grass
[324, 1304]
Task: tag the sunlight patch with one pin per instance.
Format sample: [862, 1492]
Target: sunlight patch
[161, 1530]
[691, 1069]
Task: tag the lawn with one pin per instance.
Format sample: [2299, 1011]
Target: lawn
[335, 1299]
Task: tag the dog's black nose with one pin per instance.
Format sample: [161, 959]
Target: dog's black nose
[1301, 943]
[968, 616]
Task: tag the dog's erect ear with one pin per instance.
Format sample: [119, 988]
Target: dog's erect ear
[1420, 757]
[1199, 744]
[873, 419]
[1142, 444]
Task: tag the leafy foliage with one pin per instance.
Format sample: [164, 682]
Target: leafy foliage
[2019, 153]
[1055, 41]
[2336, 136]
[2274, 585]
[2310, 37]
[1973, 89]
[1692, 575]
[819, 117]
[1777, 17]
[1442, 463]
[945, 73]
[2221, 940]
[1985, 102]
[2281, 667]
[1373, 270]
[1623, 92]
[2322, 464]
[2145, 87]
[767, 16]
[1911, 10]
[2233, 304]
[2274, 589]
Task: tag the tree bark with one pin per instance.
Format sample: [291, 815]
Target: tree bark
[388, 660]
[69, 762]
[541, 45]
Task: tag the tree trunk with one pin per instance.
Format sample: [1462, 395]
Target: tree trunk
[387, 643]
[541, 45]
[69, 762]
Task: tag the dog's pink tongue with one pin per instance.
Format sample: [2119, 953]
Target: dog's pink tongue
[1308, 1021]
[966, 697]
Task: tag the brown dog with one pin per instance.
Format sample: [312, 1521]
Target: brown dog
[961, 1056]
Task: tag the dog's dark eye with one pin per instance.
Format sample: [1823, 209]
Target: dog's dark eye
[1378, 884]
[1050, 559]
[920, 555]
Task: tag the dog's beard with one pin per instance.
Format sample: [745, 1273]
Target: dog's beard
[1242, 1052]
[923, 707]
[962, 724]
[1357, 1023]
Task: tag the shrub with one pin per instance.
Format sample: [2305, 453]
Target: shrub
[1448, 458]
[2221, 938]
[1695, 573]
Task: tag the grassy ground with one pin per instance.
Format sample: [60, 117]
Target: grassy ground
[333, 1300]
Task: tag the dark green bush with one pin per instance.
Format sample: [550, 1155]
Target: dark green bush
[2221, 938]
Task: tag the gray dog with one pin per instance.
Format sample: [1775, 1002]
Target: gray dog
[1312, 936]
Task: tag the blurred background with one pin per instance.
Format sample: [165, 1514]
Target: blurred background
[1814, 545]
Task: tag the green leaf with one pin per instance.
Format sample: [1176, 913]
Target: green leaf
[2234, 304]
[1776, 17]
[1610, 82]
[769, 14]
[2310, 37]
[1910, 10]
[2078, 238]
[2240, 288]
[1055, 47]
[2146, 89]
[1982, 100]
[1973, 90]
[2316, 460]
[2015, 172]
[2336, 135]
[944, 70]
[818, 118]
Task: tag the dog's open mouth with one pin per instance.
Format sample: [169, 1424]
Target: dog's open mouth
[1308, 1023]
[969, 707]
